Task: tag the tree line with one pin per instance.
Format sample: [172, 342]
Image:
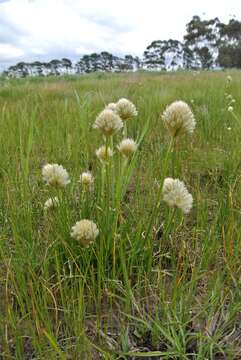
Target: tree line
[207, 44]
[87, 64]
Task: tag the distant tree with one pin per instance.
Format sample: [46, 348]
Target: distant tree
[137, 62]
[86, 63]
[117, 64]
[173, 54]
[95, 62]
[129, 62]
[80, 67]
[202, 38]
[67, 64]
[230, 56]
[22, 69]
[47, 68]
[153, 56]
[230, 32]
[188, 58]
[106, 60]
[55, 65]
[37, 68]
[205, 57]
[164, 55]
[230, 44]
[12, 71]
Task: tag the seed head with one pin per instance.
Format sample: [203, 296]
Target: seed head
[175, 194]
[87, 181]
[55, 175]
[108, 122]
[111, 106]
[179, 119]
[85, 231]
[126, 109]
[127, 147]
[51, 203]
[104, 154]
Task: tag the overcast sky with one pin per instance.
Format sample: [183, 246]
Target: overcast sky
[46, 29]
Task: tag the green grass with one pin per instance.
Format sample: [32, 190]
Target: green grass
[154, 284]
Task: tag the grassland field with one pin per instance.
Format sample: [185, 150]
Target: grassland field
[155, 284]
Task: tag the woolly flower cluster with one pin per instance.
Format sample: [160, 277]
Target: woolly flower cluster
[51, 203]
[230, 102]
[127, 147]
[108, 122]
[85, 231]
[176, 194]
[125, 109]
[103, 153]
[55, 175]
[87, 181]
[229, 78]
[179, 119]
[111, 106]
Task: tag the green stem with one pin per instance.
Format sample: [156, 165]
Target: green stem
[158, 203]
[117, 206]
[125, 130]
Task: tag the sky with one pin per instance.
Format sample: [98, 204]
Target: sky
[45, 29]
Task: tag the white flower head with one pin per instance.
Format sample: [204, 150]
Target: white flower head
[127, 147]
[85, 231]
[51, 203]
[55, 175]
[104, 154]
[229, 78]
[230, 109]
[87, 180]
[126, 109]
[111, 106]
[179, 119]
[108, 122]
[175, 194]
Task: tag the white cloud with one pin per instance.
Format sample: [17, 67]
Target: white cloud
[82, 50]
[57, 28]
[38, 51]
[8, 51]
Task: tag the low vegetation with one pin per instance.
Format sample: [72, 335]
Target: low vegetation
[121, 219]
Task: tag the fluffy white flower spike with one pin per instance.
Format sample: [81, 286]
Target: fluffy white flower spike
[126, 109]
[55, 175]
[51, 203]
[85, 231]
[176, 194]
[111, 106]
[179, 119]
[103, 154]
[87, 181]
[108, 122]
[127, 147]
